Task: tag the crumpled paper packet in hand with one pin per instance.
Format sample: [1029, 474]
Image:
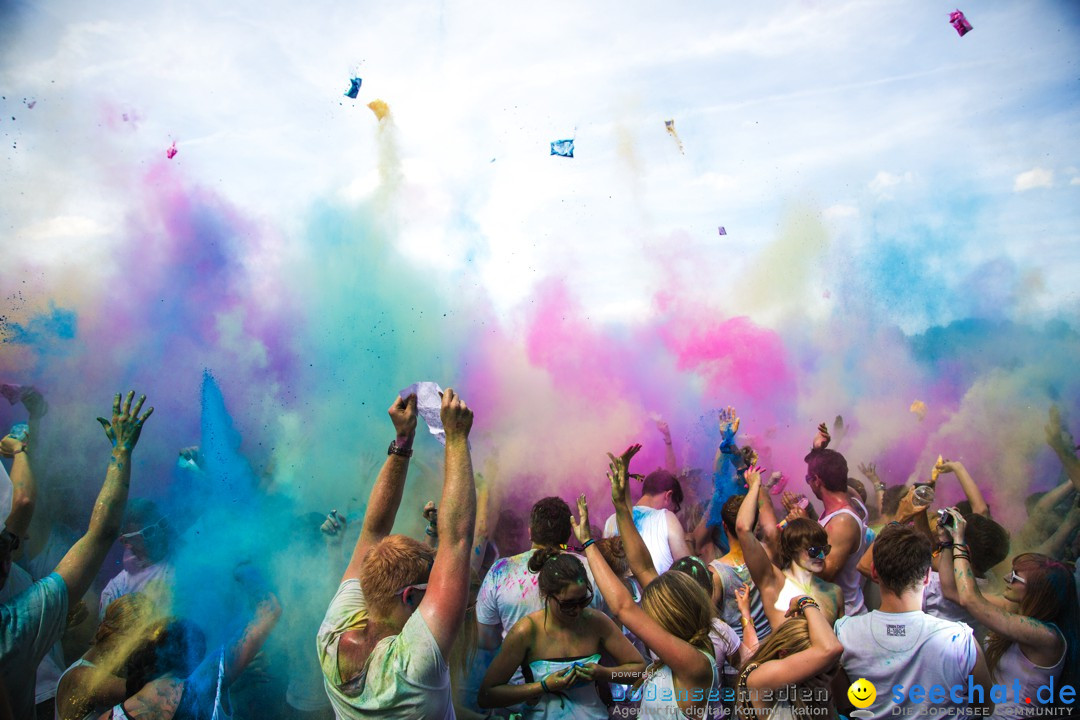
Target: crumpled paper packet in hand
[428, 405]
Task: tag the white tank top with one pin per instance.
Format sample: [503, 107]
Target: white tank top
[652, 524]
[78, 663]
[658, 695]
[1014, 665]
[849, 579]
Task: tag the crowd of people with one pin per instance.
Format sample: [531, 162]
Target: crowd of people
[698, 598]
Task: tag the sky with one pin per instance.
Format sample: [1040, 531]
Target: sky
[901, 207]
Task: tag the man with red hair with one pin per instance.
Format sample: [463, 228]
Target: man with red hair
[379, 656]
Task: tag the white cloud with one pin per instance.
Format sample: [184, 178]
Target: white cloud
[840, 212]
[1034, 178]
[885, 181]
[1075, 180]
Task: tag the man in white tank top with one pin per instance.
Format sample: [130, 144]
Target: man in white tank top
[654, 517]
[827, 476]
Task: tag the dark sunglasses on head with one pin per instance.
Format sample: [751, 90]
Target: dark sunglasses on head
[819, 551]
[575, 604]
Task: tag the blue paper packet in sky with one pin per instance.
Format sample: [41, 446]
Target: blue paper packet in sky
[563, 148]
[354, 88]
[428, 405]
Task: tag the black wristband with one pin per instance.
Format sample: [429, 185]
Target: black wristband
[395, 449]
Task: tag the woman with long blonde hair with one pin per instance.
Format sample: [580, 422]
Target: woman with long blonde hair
[798, 655]
[674, 621]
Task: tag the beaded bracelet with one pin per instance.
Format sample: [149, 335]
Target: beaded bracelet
[804, 602]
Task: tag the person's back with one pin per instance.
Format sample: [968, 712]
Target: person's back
[510, 591]
[901, 646]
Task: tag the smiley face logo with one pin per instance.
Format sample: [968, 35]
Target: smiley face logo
[862, 693]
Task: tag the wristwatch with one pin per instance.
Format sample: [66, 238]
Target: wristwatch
[396, 449]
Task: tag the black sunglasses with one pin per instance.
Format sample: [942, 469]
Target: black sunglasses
[575, 604]
[819, 551]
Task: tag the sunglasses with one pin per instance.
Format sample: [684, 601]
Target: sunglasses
[420, 586]
[576, 604]
[819, 551]
[148, 533]
[1013, 577]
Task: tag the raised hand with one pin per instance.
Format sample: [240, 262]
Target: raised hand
[35, 403]
[956, 526]
[619, 473]
[334, 527]
[729, 424]
[753, 474]
[1057, 435]
[664, 430]
[582, 531]
[456, 416]
[126, 426]
[403, 415]
[742, 599]
[821, 440]
[869, 471]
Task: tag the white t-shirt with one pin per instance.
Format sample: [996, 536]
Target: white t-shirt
[905, 649]
[653, 526]
[127, 582]
[405, 676]
[510, 591]
[935, 603]
[725, 645]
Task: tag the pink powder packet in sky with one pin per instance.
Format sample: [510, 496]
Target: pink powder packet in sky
[171, 152]
[963, 27]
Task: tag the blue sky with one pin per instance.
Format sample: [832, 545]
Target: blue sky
[926, 157]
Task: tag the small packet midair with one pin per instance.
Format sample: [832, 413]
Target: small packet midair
[723, 230]
[354, 88]
[563, 148]
[171, 152]
[963, 27]
[670, 125]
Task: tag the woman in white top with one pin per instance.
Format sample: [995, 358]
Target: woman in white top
[95, 682]
[800, 653]
[1033, 626]
[558, 648]
[674, 621]
[803, 548]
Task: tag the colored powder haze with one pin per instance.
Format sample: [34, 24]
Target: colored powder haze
[902, 207]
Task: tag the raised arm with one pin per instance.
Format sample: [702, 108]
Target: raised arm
[967, 484]
[24, 488]
[799, 667]
[385, 496]
[443, 606]
[761, 568]
[1026, 631]
[245, 646]
[749, 643]
[81, 563]
[725, 472]
[671, 464]
[1053, 545]
[637, 554]
[683, 658]
[1061, 442]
